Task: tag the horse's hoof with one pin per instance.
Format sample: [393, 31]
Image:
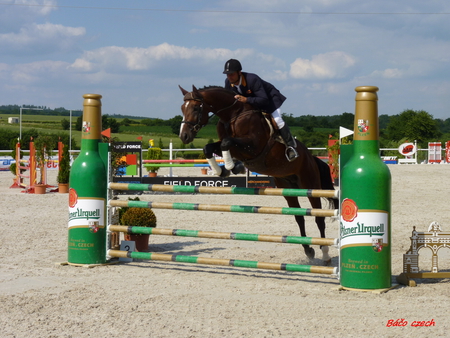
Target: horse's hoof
[327, 262]
[239, 168]
[224, 173]
[310, 253]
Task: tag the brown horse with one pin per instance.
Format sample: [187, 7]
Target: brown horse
[246, 136]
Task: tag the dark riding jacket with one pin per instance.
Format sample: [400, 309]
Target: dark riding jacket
[260, 94]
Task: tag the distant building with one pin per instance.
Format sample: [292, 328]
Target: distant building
[12, 120]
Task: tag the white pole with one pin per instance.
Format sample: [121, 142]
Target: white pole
[20, 125]
[70, 132]
[170, 157]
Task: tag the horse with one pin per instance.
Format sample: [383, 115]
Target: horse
[246, 136]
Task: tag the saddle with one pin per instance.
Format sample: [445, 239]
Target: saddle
[274, 136]
[274, 131]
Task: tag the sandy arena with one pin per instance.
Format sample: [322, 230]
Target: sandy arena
[41, 298]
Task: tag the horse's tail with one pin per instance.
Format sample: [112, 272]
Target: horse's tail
[325, 179]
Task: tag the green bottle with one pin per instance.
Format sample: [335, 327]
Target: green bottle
[87, 193]
[365, 221]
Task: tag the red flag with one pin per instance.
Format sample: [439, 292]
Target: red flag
[140, 138]
[107, 132]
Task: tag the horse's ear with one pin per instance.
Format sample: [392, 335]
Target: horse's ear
[194, 89]
[184, 91]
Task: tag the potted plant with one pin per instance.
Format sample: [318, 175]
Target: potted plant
[153, 153]
[140, 217]
[64, 171]
[44, 146]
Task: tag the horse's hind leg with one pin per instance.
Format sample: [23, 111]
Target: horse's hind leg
[309, 251]
[293, 203]
[320, 221]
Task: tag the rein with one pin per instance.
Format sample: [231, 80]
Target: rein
[199, 109]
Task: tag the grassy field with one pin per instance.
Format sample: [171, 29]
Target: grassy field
[52, 124]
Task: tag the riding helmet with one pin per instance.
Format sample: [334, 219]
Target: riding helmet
[231, 66]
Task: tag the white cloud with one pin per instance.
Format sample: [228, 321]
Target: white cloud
[39, 74]
[16, 13]
[322, 66]
[41, 38]
[114, 57]
[392, 73]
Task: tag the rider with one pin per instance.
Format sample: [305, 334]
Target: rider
[251, 89]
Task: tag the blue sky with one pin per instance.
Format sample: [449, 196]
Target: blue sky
[135, 53]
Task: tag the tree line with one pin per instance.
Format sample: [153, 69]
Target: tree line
[412, 125]
[409, 125]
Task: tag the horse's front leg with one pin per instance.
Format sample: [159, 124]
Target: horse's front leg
[209, 150]
[236, 167]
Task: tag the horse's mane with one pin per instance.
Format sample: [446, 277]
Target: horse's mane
[208, 88]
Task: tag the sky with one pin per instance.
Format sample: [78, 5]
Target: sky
[135, 53]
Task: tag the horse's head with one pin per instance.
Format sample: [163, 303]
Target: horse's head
[194, 114]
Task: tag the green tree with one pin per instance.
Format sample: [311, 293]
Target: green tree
[147, 122]
[288, 119]
[105, 121]
[126, 122]
[413, 125]
[114, 125]
[109, 122]
[65, 124]
[153, 122]
[347, 120]
[79, 123]
[175, 123]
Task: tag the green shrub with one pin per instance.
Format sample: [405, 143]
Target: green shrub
[154, 154]
[64, 166]
[139, 217]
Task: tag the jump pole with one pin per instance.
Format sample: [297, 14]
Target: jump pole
[178, 161]
[226, 208]
[175, 165]
[225, 235]
[225, 190]
[223, 262]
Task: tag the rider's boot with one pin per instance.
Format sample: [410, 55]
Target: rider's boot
[290, 142]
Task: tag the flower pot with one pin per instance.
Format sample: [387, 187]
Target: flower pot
[63, 188]
[152, 174]
[141, 241]
[40, 189]
[204, 171]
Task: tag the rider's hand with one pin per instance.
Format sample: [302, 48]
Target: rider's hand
[241, 98]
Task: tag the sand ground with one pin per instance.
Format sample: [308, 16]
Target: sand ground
[41, 298]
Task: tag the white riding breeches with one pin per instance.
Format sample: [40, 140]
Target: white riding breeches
[278, 119]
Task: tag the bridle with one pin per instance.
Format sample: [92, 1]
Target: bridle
[196, 126]
[197, 109]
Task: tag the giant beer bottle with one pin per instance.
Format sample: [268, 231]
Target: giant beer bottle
[87, 194]
[365, 221]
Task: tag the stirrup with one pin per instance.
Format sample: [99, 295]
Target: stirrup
[291, 153]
